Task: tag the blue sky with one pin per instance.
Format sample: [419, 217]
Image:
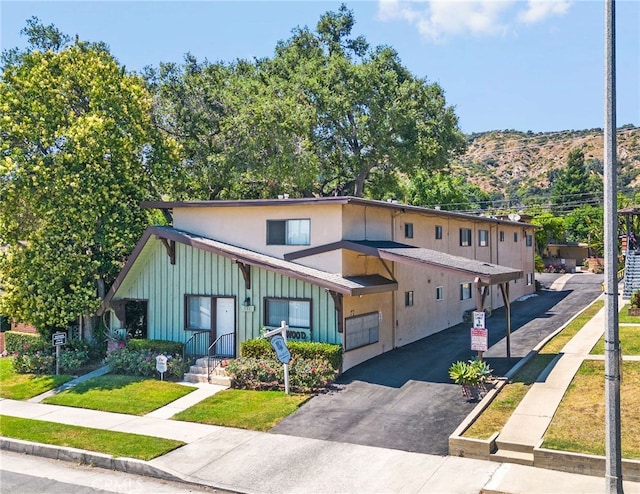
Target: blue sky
[504, 64]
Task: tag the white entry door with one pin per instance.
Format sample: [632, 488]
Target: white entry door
[225, 325]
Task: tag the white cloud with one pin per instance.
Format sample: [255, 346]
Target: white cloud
[439, 19]
[538, 10]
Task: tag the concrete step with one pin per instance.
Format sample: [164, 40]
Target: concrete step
[515, 447]
[202, 378]
[503, 456]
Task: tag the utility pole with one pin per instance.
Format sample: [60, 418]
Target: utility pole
[613, 475]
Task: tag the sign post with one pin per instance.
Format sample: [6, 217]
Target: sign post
[479, 334]
[161, 365]
[279, 343]
[58, 339]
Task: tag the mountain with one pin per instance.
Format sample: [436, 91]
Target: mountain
[510, 164]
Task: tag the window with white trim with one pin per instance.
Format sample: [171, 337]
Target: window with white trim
[465, 237]
[289, 232]
[439, 293]
[529, 278]
[465, 291]
[295, 312]
[483, 238]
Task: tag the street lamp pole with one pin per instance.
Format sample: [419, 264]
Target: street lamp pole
[613, 475]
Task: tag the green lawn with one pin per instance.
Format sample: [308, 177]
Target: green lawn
[578, 424]
[245, 409]
[117, 444]
[24, 386]
[495, 416]
[122, 394]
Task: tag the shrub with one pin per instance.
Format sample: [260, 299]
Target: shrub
[38, 362]
[260, 348]
[73, 359]
[305, 375]
[143, 363]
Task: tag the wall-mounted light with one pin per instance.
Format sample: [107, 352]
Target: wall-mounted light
[247, 301]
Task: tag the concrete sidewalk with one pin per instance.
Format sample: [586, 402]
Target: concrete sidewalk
[532, 417]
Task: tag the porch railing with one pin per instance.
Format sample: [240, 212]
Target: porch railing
[196, 346]
[223, 348]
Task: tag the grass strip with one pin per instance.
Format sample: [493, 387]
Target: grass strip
[495, 416]
[244, 409]
[117, 444]
[16, 386]
[579, 423]
[629, 341]
[113, 393]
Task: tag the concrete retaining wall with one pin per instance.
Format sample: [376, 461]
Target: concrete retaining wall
[580, 463]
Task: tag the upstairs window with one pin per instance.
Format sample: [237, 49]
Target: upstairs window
[515, 236]
[438, 232]
[529, 240]
[501, 236]
[408, 230]
[408, 299]
[483, 238]
[439, 293]
[465, 237]
[288, 232]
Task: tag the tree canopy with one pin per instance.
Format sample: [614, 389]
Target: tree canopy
[79, 152]
[326, 115]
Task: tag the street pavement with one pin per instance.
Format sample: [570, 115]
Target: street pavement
[255, 462]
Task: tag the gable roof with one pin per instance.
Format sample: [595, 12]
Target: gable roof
[488, 274]
[350, 285]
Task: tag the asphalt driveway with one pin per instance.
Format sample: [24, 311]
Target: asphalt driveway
[405, 400]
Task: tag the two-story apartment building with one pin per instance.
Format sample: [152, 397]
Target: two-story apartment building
[368, 275]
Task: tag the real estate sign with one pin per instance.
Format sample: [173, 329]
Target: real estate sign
[479, 339]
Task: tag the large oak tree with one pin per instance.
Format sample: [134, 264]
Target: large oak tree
[79, 152]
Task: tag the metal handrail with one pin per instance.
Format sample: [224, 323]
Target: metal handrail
[193, 341]
[227, 349]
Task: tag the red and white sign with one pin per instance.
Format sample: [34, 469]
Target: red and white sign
[479, 339]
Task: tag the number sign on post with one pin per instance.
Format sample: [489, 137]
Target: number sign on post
[58, 339]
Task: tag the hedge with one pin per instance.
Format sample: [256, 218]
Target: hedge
[15, 342]
[260, 348]
[155, 346]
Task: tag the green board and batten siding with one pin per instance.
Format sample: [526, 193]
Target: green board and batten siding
[197, 272]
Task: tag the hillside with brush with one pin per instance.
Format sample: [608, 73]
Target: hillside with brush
[510, 164]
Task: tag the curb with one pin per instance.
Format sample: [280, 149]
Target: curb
[84, 457]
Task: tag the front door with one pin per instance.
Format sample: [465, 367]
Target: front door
[225, 327]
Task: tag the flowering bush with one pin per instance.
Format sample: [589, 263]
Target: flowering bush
[143, 363]
[555, 269]
[305, 375]
[34, 362]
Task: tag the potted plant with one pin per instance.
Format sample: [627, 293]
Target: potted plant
[472, 376]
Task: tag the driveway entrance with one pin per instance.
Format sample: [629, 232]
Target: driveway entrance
[405, 400]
